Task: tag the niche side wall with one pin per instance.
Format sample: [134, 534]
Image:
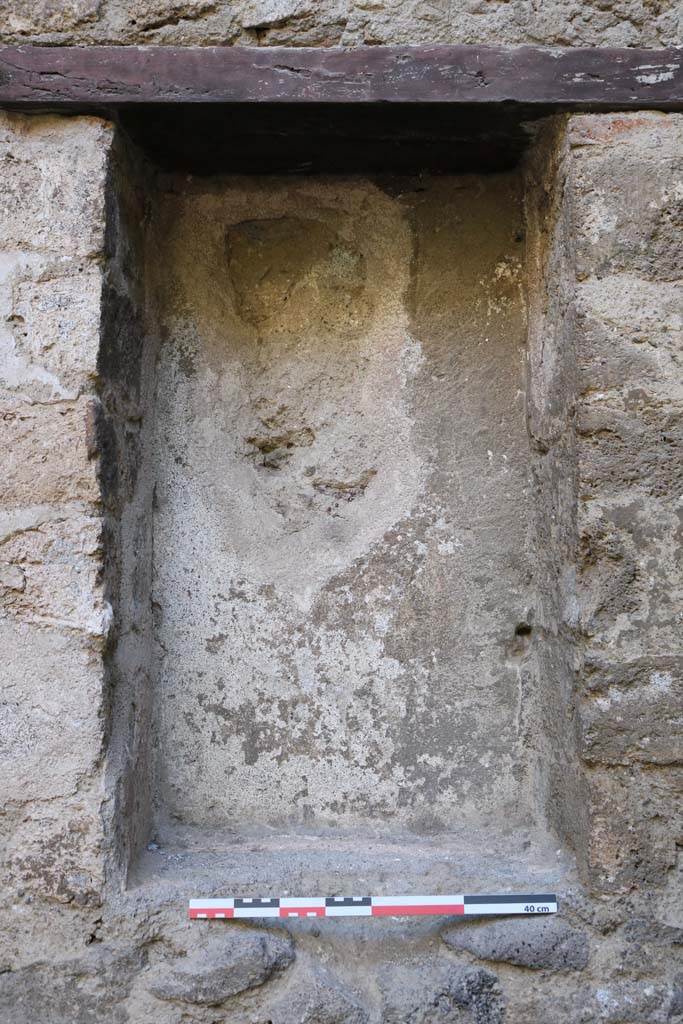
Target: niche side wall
[123, 430]
[551, 423]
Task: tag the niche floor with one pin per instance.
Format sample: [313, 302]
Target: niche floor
[343, 581]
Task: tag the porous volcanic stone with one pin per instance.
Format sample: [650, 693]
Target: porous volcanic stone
[538, 942]
[438, 991]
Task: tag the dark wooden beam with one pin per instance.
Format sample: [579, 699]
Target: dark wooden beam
[377, 110]
[118, 76]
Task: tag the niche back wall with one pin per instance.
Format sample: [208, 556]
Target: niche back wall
[342, 579]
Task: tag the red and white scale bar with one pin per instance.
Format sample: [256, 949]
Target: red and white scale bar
[373, 906]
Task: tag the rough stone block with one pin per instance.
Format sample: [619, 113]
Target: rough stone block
[622, 444]
[638, 724]
[53, 616]
[635, 1002]
[340, 22]
[48, 15]
[620, 225]
[629, 335]
[545, 943]
[54, 318]
[629, 573]
[88, 988]
[45, 458]
[625, 183]
[606, 1001]
[646, 938]
[53, 205]
[55, 850]
[59, 560]
[609, 580]
[635, 815]
[240, 959]
[51, 725]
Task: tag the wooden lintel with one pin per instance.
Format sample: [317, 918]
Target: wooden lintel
[375, 109]
[122, 76]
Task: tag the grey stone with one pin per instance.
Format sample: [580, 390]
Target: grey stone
[239, 960]
[88, 990]
[647, 940]
[54, 615]
[537, 942]
[636, 724]
[632, 1003]
[437, 991]
[608, 1003]
[319, 998]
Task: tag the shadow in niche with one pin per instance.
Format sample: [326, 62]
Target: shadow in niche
[333, 138]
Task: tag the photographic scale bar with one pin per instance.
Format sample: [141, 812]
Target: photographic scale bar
[372, 906]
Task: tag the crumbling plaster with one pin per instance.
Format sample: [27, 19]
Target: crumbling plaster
[341, 534]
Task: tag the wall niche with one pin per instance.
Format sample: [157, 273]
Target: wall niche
[330, 536]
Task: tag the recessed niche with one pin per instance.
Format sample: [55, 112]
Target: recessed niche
[332, 522]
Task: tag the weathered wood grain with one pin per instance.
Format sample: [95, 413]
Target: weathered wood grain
[377, 109]
[118, 76]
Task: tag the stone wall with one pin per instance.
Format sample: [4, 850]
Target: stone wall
[625, 182]
[649, 23]
[92, 926]
[55, 617]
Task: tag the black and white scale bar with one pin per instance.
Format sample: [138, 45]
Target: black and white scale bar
[373, 906]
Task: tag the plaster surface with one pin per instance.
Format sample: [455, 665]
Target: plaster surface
[341, 515]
